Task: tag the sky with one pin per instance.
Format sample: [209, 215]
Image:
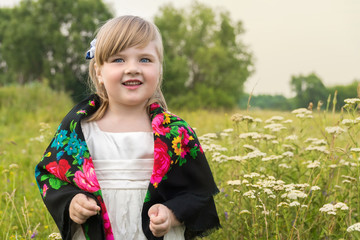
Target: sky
[286, 37]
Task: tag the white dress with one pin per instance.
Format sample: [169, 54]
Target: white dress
[123, 164]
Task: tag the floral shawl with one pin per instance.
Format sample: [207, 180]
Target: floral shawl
[181, 177]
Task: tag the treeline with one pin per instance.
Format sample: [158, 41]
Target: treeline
[206, 62]
[309, 91]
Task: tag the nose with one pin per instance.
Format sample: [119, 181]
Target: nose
[132, 68]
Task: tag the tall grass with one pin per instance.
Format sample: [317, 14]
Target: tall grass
[282, 175]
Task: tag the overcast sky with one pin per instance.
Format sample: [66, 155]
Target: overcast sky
[286, 37]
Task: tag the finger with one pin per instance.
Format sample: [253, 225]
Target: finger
[91, 204]
[153, 211]
[157, 232]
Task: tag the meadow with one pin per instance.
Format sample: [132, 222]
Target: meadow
[281, 175]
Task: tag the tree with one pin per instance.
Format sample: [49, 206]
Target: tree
[308, 89]
[206, 64]
[48, 39]
[344, 92]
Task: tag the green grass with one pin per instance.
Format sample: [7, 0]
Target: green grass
[273, 183]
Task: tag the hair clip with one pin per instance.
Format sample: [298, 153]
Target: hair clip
[91, 52]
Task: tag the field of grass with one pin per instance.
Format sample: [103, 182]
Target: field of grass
[281, 175]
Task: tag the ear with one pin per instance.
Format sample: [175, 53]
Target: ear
[98, 73]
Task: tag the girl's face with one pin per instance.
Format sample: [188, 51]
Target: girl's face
[131, 76]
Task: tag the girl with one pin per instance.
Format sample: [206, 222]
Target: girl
[94, 176]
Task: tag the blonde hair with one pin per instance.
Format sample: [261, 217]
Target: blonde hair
[114, 36]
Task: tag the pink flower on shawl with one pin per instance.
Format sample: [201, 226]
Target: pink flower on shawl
[154, 106]
[107, 225]
[158, 127]
[161, 162]
[180, 143]
[59, 169]
[45, 188]
[86, 179]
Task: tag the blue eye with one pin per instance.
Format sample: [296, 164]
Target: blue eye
[144, 60]
[119, 60]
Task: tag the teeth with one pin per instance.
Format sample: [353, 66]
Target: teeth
[132, 83]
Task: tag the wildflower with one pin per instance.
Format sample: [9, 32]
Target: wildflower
[301, 111]
[55, 236]
[254, 154]
[236, 158]
[349, 178]
[291, 137]
[294, 194]
[250, 194]
[35, 233]
[314, 188]
[234, 182]
[289, 147]
[352, 100]
[314, 164]
[251, 147]
[294, 204]
[283, 204]
[257, 120]
[226, 215]
[334, 130]
[252, 175]
[355, 150]
[348, 122]
[252, 135]
[272, 157]
[354, 227]
[229, 130]
[341, 206]
[14, 165]
[245, 212]
[284, 165]
[321, 149]
[288, 154]
[236, 117]
[288, 121]
[275, 127]
[274, 119]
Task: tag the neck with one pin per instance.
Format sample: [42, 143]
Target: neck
[123, 118]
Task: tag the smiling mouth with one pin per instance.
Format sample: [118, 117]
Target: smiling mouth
[132, 83]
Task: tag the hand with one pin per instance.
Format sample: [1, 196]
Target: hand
[161, 220]
[82, 207]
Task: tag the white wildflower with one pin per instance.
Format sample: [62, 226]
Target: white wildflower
[291, 137]
[274, 119]
[321, 149]
[289, 147]
[314, 164]
[251, 147]
[272, 157]
[334, 130]
[348, 122]
[301, 111]
[294, 194]
[268, 137]
[229, 130]
[248, 118]
[258, 120]
[236, 158]
[288, 121]
[355, 150]
[283, 204]
[234, 182]
[254, 154]
[327, 208]
[252, 135]
[284, 165]
[314, 188]
[252, 175]
[349, 178]
[354, 227]
[224, 134]
[341, 206]
[346, 181]
[275, 142]
[352, 100]
[332, 166]
[288, 154]
[275, 127]
[209, 135]
[245, 181]
[294, 204]
[250, 194]
[245, 212]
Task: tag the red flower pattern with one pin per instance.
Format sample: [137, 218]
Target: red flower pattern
[59, 169]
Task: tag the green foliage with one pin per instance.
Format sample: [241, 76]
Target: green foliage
[265, 101]
[308, 89]
[344, 92]
[48, 39]
[206, 64]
